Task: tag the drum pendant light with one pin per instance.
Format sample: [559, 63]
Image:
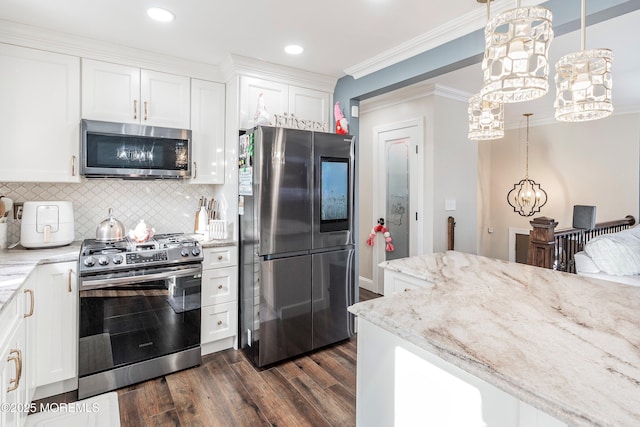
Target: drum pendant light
[527, 197]
[486, 118]
[515, 64]
[583, 82]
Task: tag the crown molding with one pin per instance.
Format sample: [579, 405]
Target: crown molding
[234, 65]
[410, 93]
[452, 30]
[64, 43]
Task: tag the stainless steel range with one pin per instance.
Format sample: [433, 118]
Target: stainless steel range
[139, 310]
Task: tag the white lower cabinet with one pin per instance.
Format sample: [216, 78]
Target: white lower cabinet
[219, 315]
[395, 282]
[14, 403]
[56, 318]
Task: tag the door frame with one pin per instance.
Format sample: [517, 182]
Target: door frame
[378, 252]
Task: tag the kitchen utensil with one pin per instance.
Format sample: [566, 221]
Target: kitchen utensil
[8, 207]
[110, 229]
[47, 224]
[197, 218]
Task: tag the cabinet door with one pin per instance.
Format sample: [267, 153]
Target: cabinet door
[165, 99]
[40, 110]
[30, 330]
[57, 314]
[310, 104]
[207, 127]
[110, 92]
[275, 95]
[13, 389]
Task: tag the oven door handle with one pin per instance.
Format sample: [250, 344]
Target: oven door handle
[116, 281]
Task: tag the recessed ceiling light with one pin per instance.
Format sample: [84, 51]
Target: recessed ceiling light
[293, 49]
[162, 15]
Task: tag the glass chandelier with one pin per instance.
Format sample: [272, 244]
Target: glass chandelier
[583, 82]
[527, 197]
[486, 119]
[515, 64]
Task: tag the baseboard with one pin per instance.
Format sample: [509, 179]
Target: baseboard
[367, 284]
[59, 387]
[218, 345]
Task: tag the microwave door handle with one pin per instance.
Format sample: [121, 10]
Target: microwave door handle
[90, 284]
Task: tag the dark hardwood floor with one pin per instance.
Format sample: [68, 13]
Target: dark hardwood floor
[318, 389]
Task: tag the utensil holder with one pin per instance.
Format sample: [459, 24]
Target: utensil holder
[217, 229]
[3, 235]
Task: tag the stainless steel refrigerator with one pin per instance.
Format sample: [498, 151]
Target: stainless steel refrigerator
[297, 252]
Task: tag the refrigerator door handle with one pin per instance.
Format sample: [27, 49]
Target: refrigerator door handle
[284, 255]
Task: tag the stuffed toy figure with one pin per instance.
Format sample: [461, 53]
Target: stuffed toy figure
[262, 116]
[342, 126]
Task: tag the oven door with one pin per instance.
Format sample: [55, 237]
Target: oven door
[127, 318]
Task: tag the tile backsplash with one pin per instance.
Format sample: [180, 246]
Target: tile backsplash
[167, 205]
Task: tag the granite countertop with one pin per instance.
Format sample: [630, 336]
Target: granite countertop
[16, 264]
[565, 344]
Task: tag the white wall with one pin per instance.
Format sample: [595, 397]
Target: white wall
[450, 167]
[589, 163]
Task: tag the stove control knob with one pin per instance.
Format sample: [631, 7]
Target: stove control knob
[195, 251]
[117, 259]
[90, 261]
[184, 252]
[103, 260]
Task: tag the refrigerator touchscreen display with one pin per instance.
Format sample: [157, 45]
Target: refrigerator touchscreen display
[334, 194]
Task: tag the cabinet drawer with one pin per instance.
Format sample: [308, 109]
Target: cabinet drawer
[219, 321]
[219, 285]
[220, 257]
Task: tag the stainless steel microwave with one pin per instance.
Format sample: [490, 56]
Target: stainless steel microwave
[127, 150]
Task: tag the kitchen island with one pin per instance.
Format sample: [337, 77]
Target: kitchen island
[489, 342]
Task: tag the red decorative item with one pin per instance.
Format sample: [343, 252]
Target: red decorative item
[342, 126]
[380, 228]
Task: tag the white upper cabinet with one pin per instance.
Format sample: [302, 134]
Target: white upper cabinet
[280, 98]
[40, 110]
[207, 126]
[119, 93]
[275, 96]
[110, 92]
[309, 104]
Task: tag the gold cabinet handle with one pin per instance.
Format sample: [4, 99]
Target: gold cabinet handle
[220, 257]
[73, 165]
[135, 109]
[219, 286]
[195, 170]
[69, 280]
[16, 357]
[219, 322]
[146, 115]
[31, 304]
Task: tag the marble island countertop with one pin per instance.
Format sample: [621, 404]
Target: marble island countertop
[567, 345]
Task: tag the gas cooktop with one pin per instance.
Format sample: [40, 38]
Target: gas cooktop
[97, 256]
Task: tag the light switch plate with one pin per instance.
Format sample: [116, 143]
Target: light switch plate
[450, 204]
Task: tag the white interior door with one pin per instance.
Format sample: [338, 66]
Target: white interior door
[397, 195]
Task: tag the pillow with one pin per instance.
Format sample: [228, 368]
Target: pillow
[584, 263]
[617, 253]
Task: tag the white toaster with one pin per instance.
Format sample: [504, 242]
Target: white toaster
[46, 224]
